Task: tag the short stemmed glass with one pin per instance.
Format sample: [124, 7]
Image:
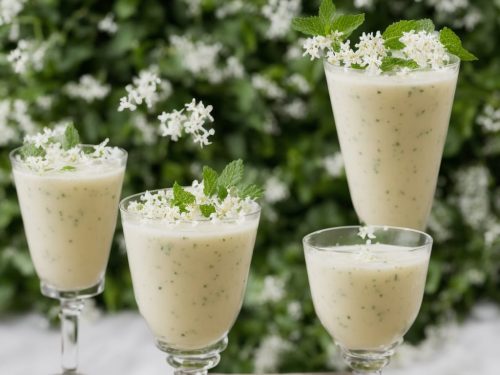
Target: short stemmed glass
[69, 219]
[189, 280]
[367, 290]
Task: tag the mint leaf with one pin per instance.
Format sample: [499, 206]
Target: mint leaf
[209, 181]
[251, 191]
[182, 197]
[207, 209]
[309, 25]
[232, 174]
[347, 23]
[395, 31]
[391, 63]
[326, 15]
[453, 44]
[71, 137]
[68, 168]
[30, 149]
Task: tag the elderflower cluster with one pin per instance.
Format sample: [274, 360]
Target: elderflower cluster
[27, 55]
[267, 87]
[142, 90]
[425, 49]
[9, 9]
[190, 120]
[203, 59]
[489, 119]
[280, 14]
[159, 205]
[316, 45]
[14, 119]
[88, 88]
[108, 24]
[54, 157]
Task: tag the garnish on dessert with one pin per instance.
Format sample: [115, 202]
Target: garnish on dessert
[59, 149]
[216, 197]
[404, 45]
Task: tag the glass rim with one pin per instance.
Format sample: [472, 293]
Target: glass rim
[124, 210]
[14, 161]
[453, 65]
[428, 238]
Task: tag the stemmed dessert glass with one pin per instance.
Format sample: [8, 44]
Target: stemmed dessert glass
[69, 219]
[189, 281]
[392, 129]
[367, 294]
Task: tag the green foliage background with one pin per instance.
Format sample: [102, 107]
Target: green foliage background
[465, 262]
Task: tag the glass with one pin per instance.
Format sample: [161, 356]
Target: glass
[189, 281]
[367, 295]
[392, 129]
[69, 219]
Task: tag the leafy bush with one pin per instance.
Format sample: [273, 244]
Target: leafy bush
[272, 109]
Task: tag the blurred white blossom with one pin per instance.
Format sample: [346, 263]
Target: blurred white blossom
[14, 120]
[334, 164]
[142, 90]
[280, 14]
[473, 195]
[45, 102]
[267, 87]
[440, 222]
[273, 290]
[108, 24]
[275, 190]
[148, 131]
[190, 120]
[27, 55]
[366, 4]
[267, 356]
[233, 7]
[87, 88]
[294, 310]
[299, 83]
[294, 50]
[14, 31]
[9, 9]
[296, 109]
[448, 6]
[193, 7]
[489, 119]
[270, 125]
[492, 233]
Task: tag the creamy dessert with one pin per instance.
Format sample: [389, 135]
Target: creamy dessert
[367, 296]
[69, 218]
[392, 129]
[189, 281]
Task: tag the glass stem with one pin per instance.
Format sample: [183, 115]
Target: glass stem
[69, 315]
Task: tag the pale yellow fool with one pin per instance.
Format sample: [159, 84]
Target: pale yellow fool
[367, 299]
[189, 281]
[69, 219]
[392, 130]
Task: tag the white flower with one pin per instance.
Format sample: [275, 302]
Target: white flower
[294, 50]
[294, 310]
[448, 6]
[366, 4]
[280, 14]
[230, 8]
[44, 102]
[267, 356]
[296, 109]
[273, 290]
[190, 120]
[108, 24]
[334, 164]
[346, 56]
[270, 89]
[147, 130]
[492, 233]
[316, 45]
[8, 133]
[9, 9]
[425, 49]
[298, 82]
[27, 55]
[193, 7]
[143, 89]
[275, 190]
[489, 119]
[371, 51]
[88, 88]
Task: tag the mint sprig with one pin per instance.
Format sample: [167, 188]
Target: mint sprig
[218, 186]
[328, 21]
[453, 44]
[71, 137]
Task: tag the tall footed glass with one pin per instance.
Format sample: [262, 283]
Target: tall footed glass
[367, 294]
[392, 129]
[189, 281]
[69, 217]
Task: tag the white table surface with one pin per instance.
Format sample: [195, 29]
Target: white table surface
[121, 344]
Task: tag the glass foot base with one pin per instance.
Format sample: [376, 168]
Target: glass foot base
[193, 362]
[52, 292]
[369, 361]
